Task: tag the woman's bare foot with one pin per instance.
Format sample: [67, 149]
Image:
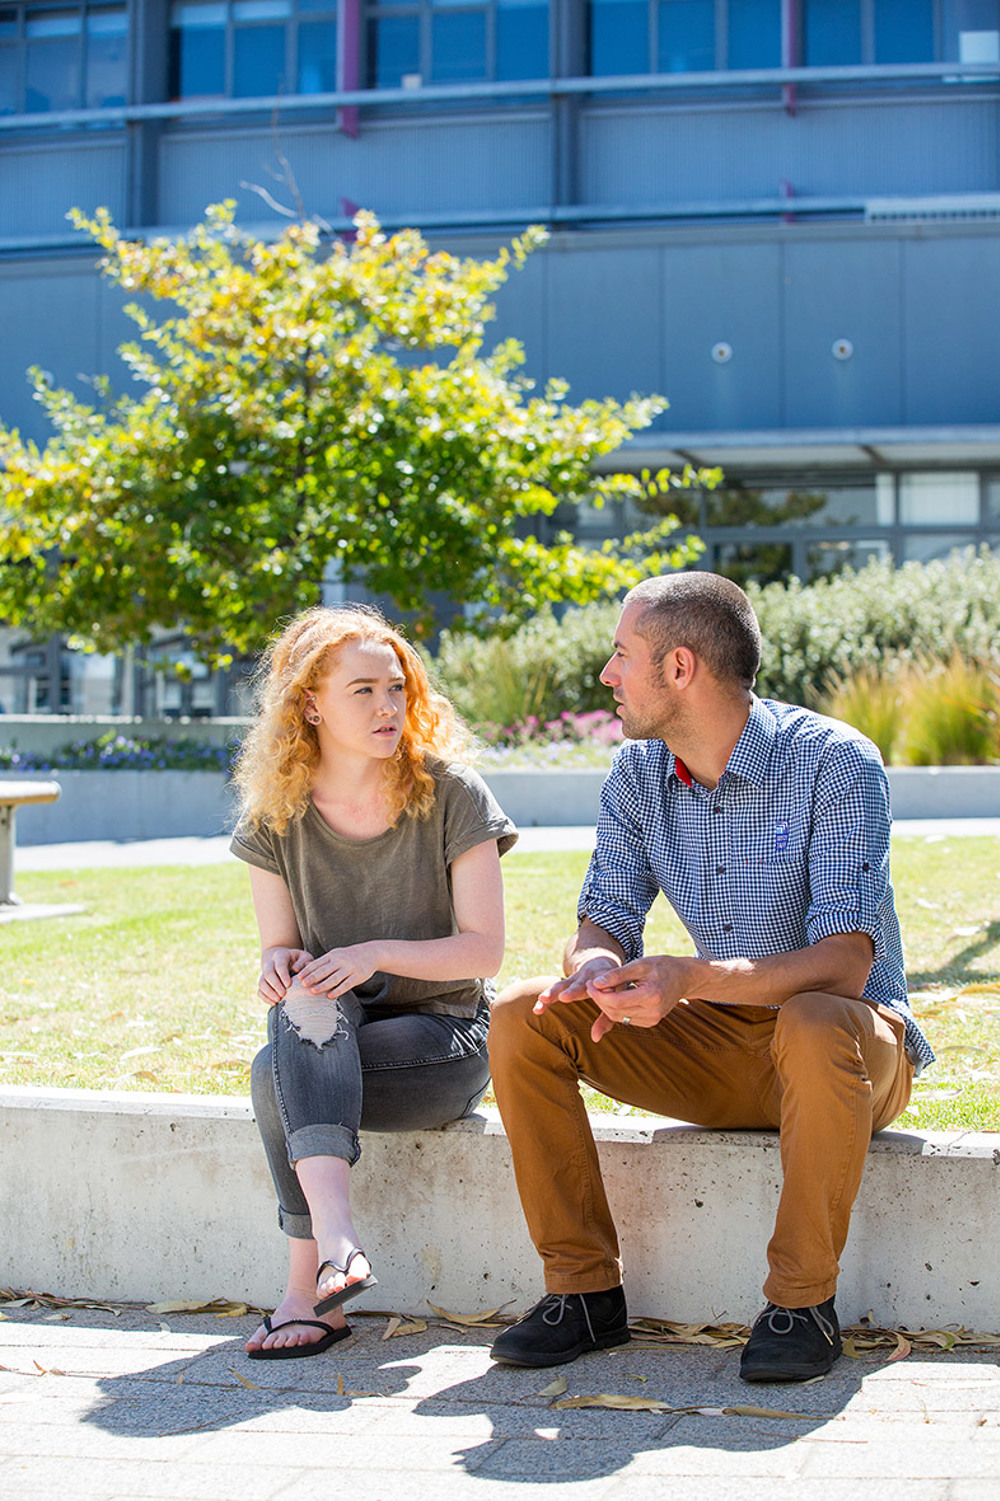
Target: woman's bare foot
[296, 1304]
[338, 1250]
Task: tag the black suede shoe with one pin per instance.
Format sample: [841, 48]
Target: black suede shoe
[791, 1344]
[563, 1326]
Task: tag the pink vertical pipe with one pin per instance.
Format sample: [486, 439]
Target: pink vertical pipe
[349, 61]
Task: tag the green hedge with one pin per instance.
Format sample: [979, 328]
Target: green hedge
[814, 634]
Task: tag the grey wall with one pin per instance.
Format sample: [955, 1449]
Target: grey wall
[616, 312]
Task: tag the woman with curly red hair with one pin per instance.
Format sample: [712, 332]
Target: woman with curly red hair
[375, 874]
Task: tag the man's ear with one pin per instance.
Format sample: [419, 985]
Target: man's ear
[680, 666]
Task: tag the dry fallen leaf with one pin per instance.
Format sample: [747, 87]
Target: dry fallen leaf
[467, 1320]
[221, 1307]
[397, 1327]
[668, 1332]
[610, 1399]
[649, 1404]
[555, 1388]
[250, 1385]
[903, 1348]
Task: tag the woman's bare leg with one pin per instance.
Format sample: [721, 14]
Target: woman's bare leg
[326, 1183]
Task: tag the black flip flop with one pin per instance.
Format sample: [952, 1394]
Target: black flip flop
[299, 1352]
[351, 1290]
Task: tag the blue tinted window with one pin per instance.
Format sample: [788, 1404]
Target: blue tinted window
[458, 47]
[8, 81]
[318, 57]
[619, 37]
[754, 39]
[522, 39]
[198, 51]
[53, 75]
[904, 31]
[832, 33]
[687, 36]
[107, 57]
[393, 50]
[258, 61]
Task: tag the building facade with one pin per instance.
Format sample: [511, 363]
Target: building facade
[783, 215]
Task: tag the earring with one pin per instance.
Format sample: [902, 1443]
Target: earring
[313, 716]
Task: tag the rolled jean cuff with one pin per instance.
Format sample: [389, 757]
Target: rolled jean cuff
[324, 1140]
[298, 1226]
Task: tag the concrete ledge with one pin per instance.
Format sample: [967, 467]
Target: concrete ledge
[142, 1196]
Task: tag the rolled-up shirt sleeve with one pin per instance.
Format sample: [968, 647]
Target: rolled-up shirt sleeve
[619, 887]
[849, 847]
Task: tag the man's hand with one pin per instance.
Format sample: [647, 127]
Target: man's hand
[576, 987]
[644, 992]
[279, 965]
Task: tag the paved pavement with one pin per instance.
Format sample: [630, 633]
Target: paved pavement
[99, 1407]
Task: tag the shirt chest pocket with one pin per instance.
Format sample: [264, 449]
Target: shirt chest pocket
[779, 844]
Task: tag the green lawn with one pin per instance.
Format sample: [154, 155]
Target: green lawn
[153, 987]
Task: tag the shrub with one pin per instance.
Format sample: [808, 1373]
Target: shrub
[880, 620]
[546, 668]
[921, 612]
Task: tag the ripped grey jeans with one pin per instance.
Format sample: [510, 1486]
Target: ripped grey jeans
[378, 1071]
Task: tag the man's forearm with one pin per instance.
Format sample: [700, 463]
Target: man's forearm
[590, 942]
[838, 965]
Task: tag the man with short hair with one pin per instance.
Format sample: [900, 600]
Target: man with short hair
[766, 827]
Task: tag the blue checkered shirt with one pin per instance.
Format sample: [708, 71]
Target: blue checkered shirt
[790, 847]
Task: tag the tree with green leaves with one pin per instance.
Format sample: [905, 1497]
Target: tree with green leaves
[303, 409]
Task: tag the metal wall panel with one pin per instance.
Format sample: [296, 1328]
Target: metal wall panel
[403, 166]
[658, 156]
[59, 315]
[721, 293]
[833, 291]
[520, 304]
[951, 356]
[604, 321]
[41, 182]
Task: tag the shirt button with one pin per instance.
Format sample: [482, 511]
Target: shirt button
[727, 927]
[720, 870]
[718, 809]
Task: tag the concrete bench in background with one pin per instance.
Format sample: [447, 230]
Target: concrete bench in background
[151, 1196]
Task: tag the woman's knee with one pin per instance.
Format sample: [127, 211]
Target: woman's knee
[262, 1080]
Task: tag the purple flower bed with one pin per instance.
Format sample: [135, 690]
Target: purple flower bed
[122, 753]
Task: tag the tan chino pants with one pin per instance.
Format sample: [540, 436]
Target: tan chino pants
[824, 1070]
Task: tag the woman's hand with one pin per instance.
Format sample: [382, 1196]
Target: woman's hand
[279, 965]
[339, 970]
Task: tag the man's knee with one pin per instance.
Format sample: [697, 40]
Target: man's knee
[513, 1011]
[815, 1022]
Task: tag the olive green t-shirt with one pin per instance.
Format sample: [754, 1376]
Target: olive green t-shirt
[397, 885]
